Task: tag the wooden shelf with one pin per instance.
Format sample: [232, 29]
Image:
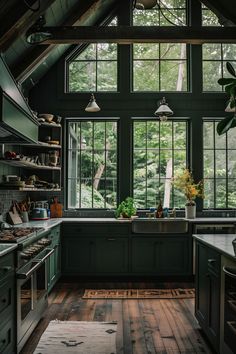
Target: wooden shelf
[51, 125]
[29, 189]
[41, 144]
[27, 164]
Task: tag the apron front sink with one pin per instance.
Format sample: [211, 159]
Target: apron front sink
[159, 226]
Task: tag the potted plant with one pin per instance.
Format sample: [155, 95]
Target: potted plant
[184, 181]
[230, 88]
[126, 209]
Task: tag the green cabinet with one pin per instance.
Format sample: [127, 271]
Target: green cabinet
[7, 304]
[168, 255]
[207, 304]
[96, 249]
[54, 262]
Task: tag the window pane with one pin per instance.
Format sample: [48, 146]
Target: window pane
[82, 76]
[107, 76]
[220, 157]
[221, 193]
[146, 51]
[173, 76]
[209, 169]
[153, 165]
[93, 164]
[231, 163]
[232, 193]
[208, 135]
[211, 73]
[106, 51]
[141, 70]
[211, 51]
[209, 193]
[173, 51]
[89, 53]
[209, 18]
[229, 51]
[175, 17]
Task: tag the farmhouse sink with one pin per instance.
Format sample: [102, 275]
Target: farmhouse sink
[160, 226]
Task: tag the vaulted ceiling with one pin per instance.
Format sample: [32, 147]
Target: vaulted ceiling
[29, 63]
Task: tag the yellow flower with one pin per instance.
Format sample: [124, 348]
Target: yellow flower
[184, 181]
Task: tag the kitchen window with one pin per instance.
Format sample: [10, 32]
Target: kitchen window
[215, 56]
[219, 154]
[159, 152]
[93, 67]
[164, 63]
[92, 163]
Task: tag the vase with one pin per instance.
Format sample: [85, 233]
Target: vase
[190, 210]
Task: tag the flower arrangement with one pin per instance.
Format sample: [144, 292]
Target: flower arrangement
[184, 181]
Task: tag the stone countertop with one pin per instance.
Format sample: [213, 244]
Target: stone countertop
[46, 224]
[220, 242]
[7, 248]
[215, 220]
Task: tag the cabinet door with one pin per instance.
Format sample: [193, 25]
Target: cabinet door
[144, 255]
[111, 255]
[173, 255]
[208, 292]
[78, 255]
[202, 285]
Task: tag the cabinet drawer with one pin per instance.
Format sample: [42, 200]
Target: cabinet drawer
[6, 265]
[6, 297]
[7, 337]
[55, 235]
[95, 229]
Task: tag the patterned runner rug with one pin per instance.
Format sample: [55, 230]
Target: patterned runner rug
[139, 293]
[78, 337]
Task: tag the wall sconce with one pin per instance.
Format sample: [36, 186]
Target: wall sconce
[37, 34]
[92, 105]
[163, 111]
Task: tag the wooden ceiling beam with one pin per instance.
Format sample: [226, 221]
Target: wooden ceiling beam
[18, 20]
[140, 34]
[78, 14]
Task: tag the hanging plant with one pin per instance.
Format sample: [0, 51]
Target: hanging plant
[230, 88]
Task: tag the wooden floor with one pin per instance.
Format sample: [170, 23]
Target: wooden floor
[144, 326]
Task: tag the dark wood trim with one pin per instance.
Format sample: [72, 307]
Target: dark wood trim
[137, 34]
[79, 14]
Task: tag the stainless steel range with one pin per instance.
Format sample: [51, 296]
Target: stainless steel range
[32, 259]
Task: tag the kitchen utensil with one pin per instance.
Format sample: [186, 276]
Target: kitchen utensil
[39, 214]
[56, 209]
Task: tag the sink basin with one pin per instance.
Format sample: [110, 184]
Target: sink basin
[159, 226]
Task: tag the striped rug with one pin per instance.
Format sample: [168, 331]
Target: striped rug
[78, 337]
[138, 293]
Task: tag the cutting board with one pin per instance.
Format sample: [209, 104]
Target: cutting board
[14, 218]
[56, 210]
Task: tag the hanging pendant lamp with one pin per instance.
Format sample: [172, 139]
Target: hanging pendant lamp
[92, 105]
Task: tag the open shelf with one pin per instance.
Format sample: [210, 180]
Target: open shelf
[27, 164]
[43, 144]
[51, 125]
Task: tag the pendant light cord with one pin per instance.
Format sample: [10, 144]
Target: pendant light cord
[32, 8]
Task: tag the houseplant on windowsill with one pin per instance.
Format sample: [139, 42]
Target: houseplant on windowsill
[126, 209]
[184, 181]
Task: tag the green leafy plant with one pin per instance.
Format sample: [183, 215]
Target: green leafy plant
[126, 209]
[230, 88]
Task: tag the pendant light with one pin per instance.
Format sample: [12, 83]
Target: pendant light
[92, 105]
[163, 111]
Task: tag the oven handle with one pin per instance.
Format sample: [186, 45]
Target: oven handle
[27, 274]
[51, 251]
[230, 274]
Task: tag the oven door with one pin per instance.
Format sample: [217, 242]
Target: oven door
[31, 295]
[228, 306]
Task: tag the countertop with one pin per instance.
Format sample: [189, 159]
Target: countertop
[220, 242]
[7, 248]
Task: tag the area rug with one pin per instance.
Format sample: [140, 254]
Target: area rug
[139, 294]
[78, 337]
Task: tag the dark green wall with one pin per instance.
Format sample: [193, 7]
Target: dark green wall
[48, 96]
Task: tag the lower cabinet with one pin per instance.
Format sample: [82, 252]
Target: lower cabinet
[95, 255]
[207, 304]
[54, 262]
[7, 305]
[169, 255]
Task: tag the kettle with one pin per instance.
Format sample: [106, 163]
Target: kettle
[39, 214]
